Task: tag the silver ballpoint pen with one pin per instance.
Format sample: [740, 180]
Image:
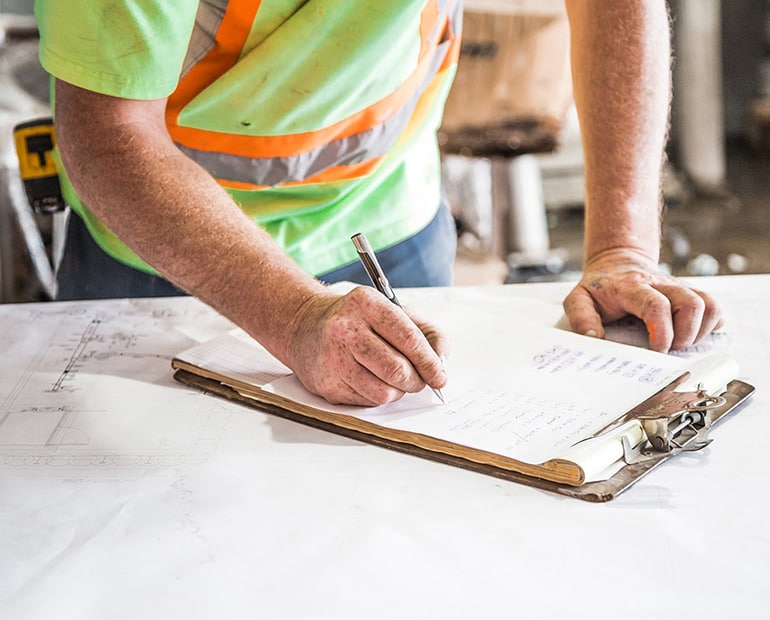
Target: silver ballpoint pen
[377, 276]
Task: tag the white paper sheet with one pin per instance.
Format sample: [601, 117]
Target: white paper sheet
[516, 388]
[164, 502]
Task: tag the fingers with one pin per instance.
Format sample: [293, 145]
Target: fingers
[713, 318]
[362, 349]
[676, 315]
[656, 310]
[582, 314]
[352, 365]
[361, 387]
[396, 355]
[681, 320]
[623, 282]
[410, 351]
[430, 363]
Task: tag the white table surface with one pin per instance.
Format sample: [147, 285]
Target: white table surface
[124, 494]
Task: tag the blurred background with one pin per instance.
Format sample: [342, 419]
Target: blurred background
[514, 174]
[511, 146]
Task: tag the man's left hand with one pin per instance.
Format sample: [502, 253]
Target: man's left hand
[620, 282]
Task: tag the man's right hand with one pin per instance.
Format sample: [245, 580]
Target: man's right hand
[357, 349]
[361, 349]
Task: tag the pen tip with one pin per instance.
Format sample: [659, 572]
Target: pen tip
[440, 395]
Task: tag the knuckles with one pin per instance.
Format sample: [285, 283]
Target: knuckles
[692, 306]
[341, 337]
[397, 372]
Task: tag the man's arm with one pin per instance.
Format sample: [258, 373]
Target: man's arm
[357, 349]
[621, 78]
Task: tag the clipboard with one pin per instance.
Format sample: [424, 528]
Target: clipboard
[678, 418]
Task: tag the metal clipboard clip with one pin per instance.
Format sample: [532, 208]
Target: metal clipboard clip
[678, 418]
[685, 430]
[675, 419]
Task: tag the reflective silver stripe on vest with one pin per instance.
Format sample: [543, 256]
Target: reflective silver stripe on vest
[207, 21]
[355, 149]
[455, 14]
[351, 150]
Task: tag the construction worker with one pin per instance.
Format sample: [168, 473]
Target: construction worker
[229, 149]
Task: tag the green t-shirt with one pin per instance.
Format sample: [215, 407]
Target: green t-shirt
[301, 67]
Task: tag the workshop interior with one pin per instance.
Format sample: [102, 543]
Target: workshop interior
[512, 161]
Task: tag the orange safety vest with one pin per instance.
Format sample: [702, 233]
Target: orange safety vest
[348, 149]
[317, 127]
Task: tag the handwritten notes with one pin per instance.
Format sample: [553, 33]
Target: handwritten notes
[515, 388]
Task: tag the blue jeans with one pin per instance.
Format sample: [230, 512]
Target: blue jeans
[87, 272]
[424, 259]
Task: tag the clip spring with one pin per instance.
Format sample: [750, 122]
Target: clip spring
[685, 430]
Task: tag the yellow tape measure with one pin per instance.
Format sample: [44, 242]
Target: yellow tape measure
[35, 141]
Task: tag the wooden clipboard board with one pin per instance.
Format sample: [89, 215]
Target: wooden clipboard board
[662, 404]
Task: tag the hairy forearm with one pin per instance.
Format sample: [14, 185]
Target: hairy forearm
[621, 76]
[176, 217]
